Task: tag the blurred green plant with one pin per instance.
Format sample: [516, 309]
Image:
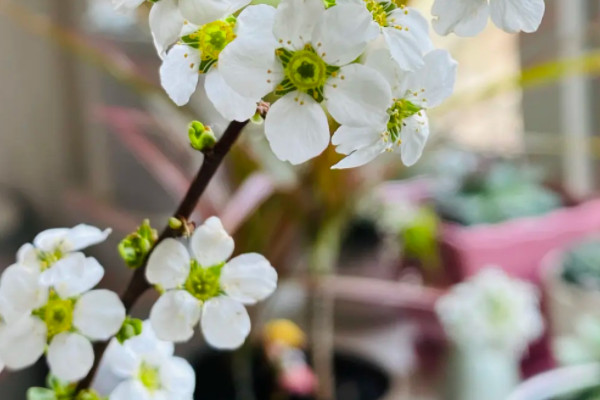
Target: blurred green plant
[580, 348]
[498, 194]
[581, 266]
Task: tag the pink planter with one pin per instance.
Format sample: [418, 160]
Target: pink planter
[518, 246]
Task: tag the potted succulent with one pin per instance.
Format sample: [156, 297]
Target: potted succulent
[506, 216]
[572, 283]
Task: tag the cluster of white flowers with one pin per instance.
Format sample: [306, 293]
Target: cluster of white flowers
[492, 310]
[146, 369]
[366, 68]
[368, 64]
[47, 304]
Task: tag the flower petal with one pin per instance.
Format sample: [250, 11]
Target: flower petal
[73, 275]
[230, 104]
[166, 23]
[408, 38]
[414, 136]
[434, 83]
[350, 138]
[179, 73]
[517, 15]
[358, 96]
[295, 21]
[174, 315]
[343, 32]
[121, 360]
[296, 127]
[70, 356]
[129, 390]
[147, 342]
[211, 244]
[82, 236]
[22, 342]
[178, 378]
[361, 156]
[249, 66]
[21, 289]
[169, 264]
[99, 314]
[50, 239]
[463, 17]
[205, 11]
[27, 256]
[225, 323]
[255, 21]
[248, 278]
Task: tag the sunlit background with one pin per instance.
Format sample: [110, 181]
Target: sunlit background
[508, 178]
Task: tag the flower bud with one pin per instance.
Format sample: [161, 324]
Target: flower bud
[135, 247]
[131, 327]
[201, 137]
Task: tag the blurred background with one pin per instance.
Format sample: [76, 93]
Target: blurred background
[509, 178]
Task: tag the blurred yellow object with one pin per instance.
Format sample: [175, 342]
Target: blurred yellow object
[284, 331]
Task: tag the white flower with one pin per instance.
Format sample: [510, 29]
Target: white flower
[203, 286]
[51, 245]
[195, 58]
[492, 309]
[56, 307]
[406, 127]
[469, 17]
[307, 59]
[405, 30]
[148, 369]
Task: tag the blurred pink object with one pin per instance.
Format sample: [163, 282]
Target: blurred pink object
[518, 246]
[299, 380]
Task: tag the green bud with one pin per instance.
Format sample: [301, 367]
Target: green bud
[58, 390]
[201, 137]
[131, 327]
[175, 223]
[88, 394]
[39, 393]
[61, 390]
[135, 247]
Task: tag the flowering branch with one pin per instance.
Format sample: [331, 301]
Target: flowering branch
[138, 284]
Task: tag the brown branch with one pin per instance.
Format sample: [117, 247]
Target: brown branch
[138, 284]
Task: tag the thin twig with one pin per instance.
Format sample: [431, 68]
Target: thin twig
[138, 284]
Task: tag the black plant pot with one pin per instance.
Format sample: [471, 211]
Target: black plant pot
[245, 375]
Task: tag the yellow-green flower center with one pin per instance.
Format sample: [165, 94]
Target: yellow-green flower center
[57, 314]
[213, 37]
[400, 110]
[203, 283]
[149, 376]
[210, 40]
[305, 71]
[378, 10]
[48, 258]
